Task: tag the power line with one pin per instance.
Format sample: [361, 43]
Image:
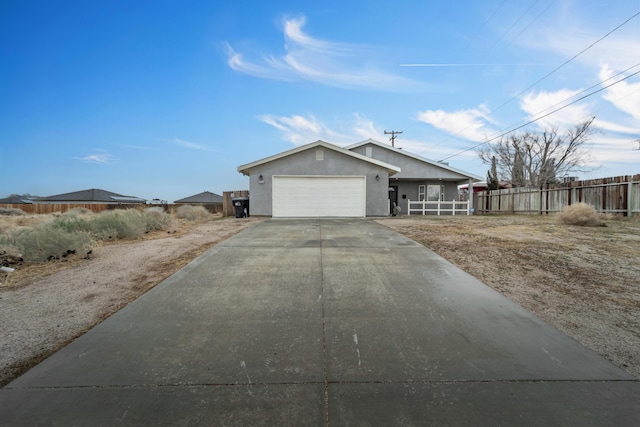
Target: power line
[509, 29]
[534, 20]
[539, 118]
[543, 78]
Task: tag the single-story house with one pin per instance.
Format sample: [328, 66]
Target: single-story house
[91, 196]
[420, 178]
[211, 201]
[366, 179]
[17, 200]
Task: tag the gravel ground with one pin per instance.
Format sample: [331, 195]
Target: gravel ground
[43, 307]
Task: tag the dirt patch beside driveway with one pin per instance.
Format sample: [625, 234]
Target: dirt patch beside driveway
[583, 280]
[43, 307]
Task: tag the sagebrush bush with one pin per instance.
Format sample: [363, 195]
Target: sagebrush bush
[72, 222]
[48, 242]
[12, 211]
[78, 211]
[156, 219]
[77, 230]
[581, 214]
[193, 213]
[118, 224]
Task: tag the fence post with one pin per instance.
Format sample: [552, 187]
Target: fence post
[629, 196]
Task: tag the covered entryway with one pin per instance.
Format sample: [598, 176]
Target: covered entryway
[319, 196]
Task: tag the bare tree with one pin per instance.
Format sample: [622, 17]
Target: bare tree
[493, 183]
[536, 159]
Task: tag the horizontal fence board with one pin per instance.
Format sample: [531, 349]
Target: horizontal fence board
[616, 195]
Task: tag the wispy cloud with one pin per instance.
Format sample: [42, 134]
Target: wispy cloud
[329, 63]
[470, 124]
[571, 33]
[624, 96]
[99, 156]
[537, 104]
[300, 130]
[191, 145]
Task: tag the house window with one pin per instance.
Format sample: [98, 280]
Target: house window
[435, 193]
[422, 192]
[319, 155]
[369, 151]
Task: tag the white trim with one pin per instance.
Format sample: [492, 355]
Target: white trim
[245, 169]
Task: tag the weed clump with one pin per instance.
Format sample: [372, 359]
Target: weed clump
[193, 213]
[581, 214]
[77, 231]
[156, 219]
[46, 243]
[11, 211]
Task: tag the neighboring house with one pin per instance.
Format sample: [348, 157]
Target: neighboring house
[92, 196]
[419, 179]
[481, 186]
[319, 180]
[17, 200]
[211, 201]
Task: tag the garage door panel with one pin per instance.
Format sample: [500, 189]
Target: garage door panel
[304, 196]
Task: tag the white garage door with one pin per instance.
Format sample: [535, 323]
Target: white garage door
[319, 196]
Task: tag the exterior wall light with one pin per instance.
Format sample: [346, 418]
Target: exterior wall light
[377, 177]
[260, 179]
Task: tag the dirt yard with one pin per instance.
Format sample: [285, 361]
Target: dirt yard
[583, 280]
[43, 307]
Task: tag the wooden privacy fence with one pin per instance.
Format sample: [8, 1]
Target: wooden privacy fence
[48, 208]
[227, 204]
[617, 195]
[438, 207]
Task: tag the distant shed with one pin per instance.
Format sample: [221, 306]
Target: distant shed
[210, 201]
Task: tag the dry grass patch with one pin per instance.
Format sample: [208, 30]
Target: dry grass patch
[583, 280]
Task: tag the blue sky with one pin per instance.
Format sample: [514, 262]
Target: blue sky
[161, 99]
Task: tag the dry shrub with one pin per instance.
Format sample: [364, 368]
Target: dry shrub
[11, 211]
[157, 219]
[581, 214]
[193, 213]
[46, 243]
[78, 211]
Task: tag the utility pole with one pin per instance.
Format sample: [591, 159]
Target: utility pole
[393, 134]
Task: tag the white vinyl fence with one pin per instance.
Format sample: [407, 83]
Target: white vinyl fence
[440, 207]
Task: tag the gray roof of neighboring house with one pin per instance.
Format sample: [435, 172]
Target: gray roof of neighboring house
[415, 156]
[17, 200]
[91, 195]
[206, 197]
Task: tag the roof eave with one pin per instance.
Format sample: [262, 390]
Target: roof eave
[246, 169]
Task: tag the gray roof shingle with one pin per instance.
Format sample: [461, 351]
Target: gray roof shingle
[91, 195]
[204, 197]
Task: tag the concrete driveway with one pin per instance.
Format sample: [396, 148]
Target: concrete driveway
[318, 322]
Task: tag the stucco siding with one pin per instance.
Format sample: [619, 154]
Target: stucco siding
[411, 168]
[333, 163]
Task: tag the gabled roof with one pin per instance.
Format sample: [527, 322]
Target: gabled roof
[91, 195]
[415, 156]
[204, 197]
[17, 200]
[244, 169]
